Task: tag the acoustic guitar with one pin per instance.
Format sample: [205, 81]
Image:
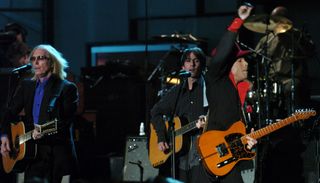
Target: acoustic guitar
[21, 151]
[220, 151]
[158, 157]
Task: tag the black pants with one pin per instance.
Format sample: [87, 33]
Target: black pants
[232, 177]
[51, 164]
[195, 175]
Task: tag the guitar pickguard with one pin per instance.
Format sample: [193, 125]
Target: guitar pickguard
[236, 148]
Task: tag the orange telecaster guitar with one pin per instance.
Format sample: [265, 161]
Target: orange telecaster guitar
[221, 150]
[20, 150]
[158, 157]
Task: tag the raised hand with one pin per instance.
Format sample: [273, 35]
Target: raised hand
[244, 11]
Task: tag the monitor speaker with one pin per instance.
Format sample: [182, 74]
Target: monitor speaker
[137, 166]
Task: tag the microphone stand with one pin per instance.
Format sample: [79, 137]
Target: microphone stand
[155, 70]
[254, 51]
[293, 84]
[160, 68]
[13, 86]
[265, 63]
[293, 87]
[171, 129]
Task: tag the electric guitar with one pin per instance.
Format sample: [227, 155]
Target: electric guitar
[21, 151]
[158, 157]
[220, 151]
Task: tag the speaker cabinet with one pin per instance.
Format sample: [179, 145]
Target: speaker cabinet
[311, 158]
[116, 167]
[137, 164]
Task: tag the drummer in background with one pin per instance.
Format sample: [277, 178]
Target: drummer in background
[286, 47]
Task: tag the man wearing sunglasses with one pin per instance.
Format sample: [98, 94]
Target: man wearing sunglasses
[47, 97]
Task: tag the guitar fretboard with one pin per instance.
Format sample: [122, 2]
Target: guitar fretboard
[186, 128]
[275, 126]
[25, 137]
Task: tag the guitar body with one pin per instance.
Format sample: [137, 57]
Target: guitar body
[20, 153]
[221, 150]
[156, 156]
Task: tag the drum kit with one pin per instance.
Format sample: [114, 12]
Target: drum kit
[273, 95]
[268, 92]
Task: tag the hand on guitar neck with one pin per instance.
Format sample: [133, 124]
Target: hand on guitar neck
[36, 134]
[251, 141]
[201, 123]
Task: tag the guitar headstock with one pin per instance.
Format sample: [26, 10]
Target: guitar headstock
[304, 113]
[49, 128]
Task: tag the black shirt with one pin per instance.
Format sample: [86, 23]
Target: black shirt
[190, 106]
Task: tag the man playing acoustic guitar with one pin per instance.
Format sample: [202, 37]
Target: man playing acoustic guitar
[191, 103]
[44, 98]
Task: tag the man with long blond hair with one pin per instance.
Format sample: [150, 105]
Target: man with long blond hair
[44, 97]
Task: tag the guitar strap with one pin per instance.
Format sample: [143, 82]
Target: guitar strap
[205, 104]
[241, 112]
[243, 116]
[55, 95]
[205, 100]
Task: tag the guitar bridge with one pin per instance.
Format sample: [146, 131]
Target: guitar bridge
[227, 161]
[222, 149]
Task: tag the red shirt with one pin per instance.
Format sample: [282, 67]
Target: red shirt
[242, 87]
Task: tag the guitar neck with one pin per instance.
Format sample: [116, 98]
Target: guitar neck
[45, 129]
[269, 129]
[25, 137]
[186, 128]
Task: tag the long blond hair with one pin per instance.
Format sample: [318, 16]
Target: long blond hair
[59, 64]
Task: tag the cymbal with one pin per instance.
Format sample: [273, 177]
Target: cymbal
[179, 38]
[258, 23]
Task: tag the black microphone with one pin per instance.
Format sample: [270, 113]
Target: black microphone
[181, 73]
[21, 69]
[247, 4]
[184, 73]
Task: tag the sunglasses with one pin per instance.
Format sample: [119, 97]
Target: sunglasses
[40, 57]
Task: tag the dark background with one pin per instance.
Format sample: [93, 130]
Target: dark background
[122, 97]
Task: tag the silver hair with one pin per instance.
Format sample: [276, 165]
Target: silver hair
[59, 64]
